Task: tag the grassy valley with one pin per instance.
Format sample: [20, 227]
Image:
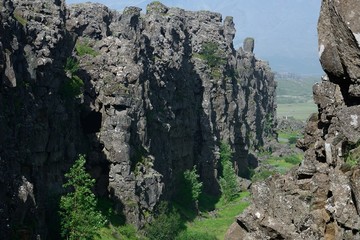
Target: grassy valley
[294, 95]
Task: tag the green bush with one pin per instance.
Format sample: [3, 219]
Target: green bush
[186, 235]
[79, 217]
[292, 140]
[228, 180]
[192, 181]
[166, 225]
[128, 232]
[211, 54]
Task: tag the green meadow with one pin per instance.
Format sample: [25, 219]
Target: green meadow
[294, 96]
[299, 111]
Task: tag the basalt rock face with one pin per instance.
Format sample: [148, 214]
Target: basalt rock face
[320, 199]
[165, 107]
[39, 133]
[160, 91]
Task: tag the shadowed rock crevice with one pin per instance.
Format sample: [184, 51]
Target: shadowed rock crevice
[91, 122]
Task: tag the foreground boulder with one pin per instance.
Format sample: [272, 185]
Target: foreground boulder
[321, 198]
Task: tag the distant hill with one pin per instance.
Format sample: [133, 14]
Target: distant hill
[293, 88]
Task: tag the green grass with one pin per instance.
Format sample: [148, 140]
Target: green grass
[116, 227]
[217, 222]
[295, 89]
[276, 165]
[294, 95]
[125, 232]
[286, 137]
[84, 48]
[299, 111]
[271, 165]
[282, 165]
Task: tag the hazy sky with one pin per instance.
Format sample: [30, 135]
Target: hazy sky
[284, 30]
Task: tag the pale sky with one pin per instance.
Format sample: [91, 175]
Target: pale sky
[284, 30]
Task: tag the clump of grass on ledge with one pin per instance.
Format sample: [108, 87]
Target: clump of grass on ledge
[72, 87]
[83, 48]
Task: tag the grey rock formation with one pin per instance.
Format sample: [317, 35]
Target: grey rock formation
[320, 199]
[249, 44]
[153, 103]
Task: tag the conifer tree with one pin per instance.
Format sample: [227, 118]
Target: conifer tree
[228, 181]
[79, 218]
[192, 180]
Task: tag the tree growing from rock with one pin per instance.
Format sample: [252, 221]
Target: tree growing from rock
[79, 218]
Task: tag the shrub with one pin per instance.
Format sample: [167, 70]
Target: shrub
[79, 217]
[192, 180]
[211, 54]
[292, 140]
[166, 225]
[128, 232]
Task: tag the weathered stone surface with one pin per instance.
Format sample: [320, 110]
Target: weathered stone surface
[339, 30]
[195, 105]
[319, 199]
[151, 106]
[249, 45]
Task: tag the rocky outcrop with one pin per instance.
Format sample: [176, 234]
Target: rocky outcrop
[39, 134]
[145, 96]
[320, 199]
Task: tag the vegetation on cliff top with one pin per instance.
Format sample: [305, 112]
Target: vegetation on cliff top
[84, 48]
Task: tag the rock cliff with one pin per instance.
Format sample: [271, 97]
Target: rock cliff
[320, 199]
[144, 96]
